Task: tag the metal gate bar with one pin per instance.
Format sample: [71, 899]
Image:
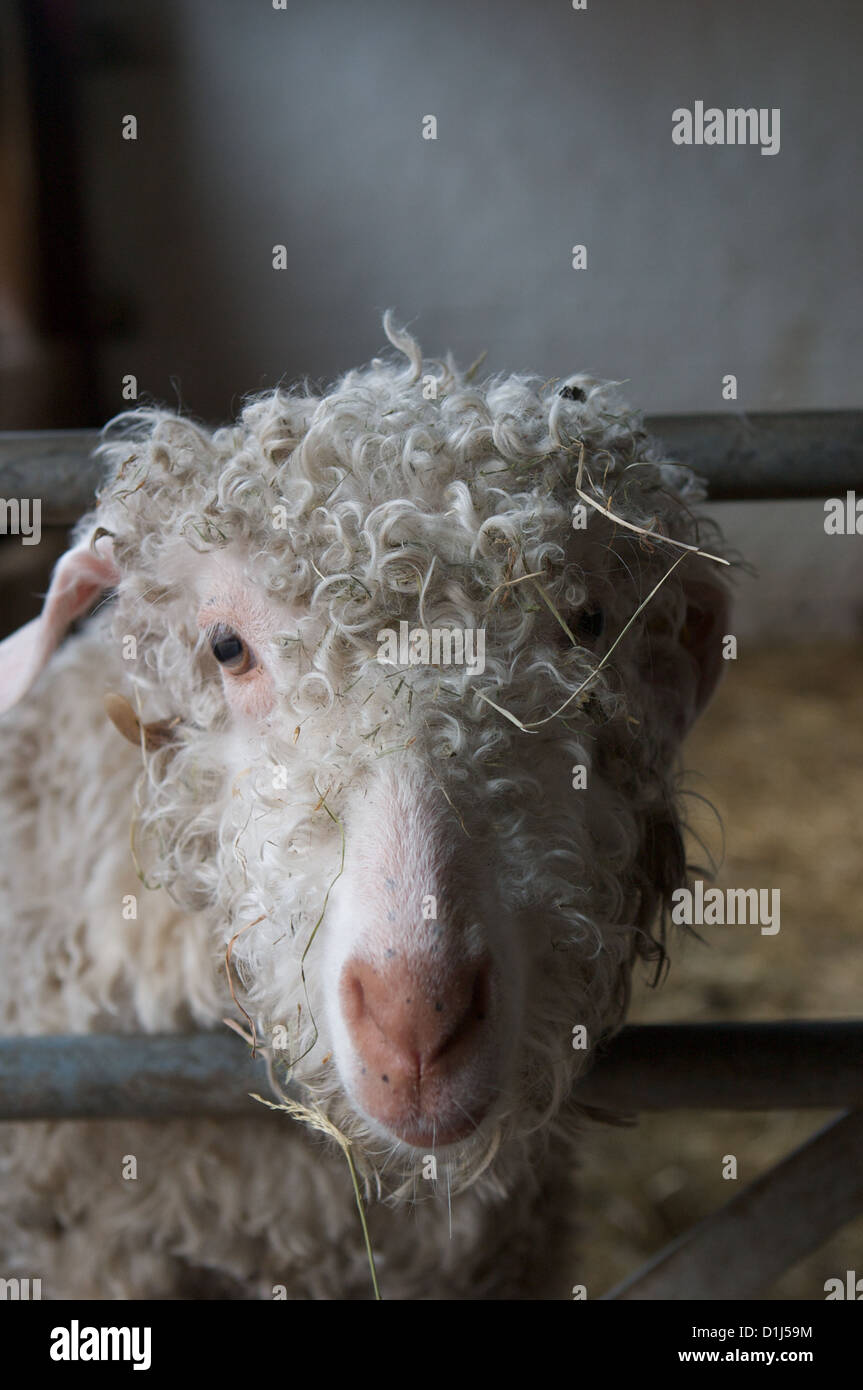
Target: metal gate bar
[743, 457]
[734, 1066]
[782, 1216]
[792, 1065]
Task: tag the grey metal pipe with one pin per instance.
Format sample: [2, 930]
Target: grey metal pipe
[53, 465]
[815, 1064]
[744, 1066]
[108, 1076]
[764, 456]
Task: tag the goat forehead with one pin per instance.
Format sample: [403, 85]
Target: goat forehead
[225, 580]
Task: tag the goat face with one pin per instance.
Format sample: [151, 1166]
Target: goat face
[427, 874]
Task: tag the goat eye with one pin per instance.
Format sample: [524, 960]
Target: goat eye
[231, 651]
[591, 625]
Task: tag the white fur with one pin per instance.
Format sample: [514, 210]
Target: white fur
[398, 506]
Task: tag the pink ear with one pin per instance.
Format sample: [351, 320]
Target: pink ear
[684, 672]
[707, 618]
[78, 580]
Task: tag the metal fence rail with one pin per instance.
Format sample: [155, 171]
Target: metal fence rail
[735, 1253]
[696, 1066]
[742, 457]
[741, 1249]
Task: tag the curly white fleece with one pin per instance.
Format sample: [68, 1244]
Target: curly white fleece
[403, 492]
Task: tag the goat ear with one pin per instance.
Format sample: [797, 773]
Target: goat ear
[683, 671]
[79, 578]
[708, 610]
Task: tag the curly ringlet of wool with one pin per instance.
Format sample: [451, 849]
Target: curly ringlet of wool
[409, 491]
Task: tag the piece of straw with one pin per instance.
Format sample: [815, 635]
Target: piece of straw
[630, 525]
[535, 724]
[316, 1119]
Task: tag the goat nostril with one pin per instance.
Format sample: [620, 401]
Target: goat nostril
[392, 1021]
[474, 1013]
[354, 999]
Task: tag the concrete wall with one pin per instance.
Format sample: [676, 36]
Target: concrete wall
[554, 127]
[303, 127]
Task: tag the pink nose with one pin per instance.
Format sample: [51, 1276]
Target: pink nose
[418, 1036]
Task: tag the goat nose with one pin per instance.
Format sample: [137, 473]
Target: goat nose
[409, 1019]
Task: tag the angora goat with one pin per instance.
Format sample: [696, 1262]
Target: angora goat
[426, 873]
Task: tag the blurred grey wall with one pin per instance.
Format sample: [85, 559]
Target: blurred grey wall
[259, 126]
[304, 127]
